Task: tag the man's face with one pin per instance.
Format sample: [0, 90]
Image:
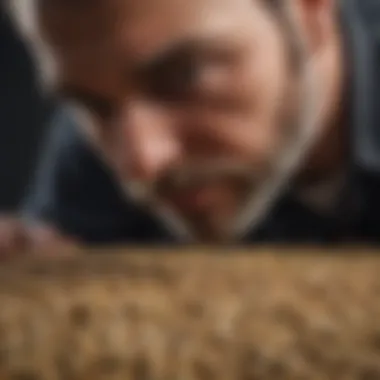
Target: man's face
[193, 104]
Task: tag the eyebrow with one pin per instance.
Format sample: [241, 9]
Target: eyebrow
[176, 51]
[167, 56]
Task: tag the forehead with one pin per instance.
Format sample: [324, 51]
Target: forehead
[140, 27]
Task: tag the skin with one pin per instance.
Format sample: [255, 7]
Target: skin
[195, 105]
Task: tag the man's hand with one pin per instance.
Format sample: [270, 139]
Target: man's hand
[18, 238]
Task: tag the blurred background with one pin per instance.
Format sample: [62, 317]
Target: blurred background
[24, 115]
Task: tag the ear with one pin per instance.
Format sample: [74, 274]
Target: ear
[316, 19]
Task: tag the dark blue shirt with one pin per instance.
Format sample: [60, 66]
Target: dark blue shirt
[75, 192]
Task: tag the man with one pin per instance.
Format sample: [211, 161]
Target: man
[208, 120]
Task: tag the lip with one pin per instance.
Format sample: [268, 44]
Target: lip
[203, 196]
[193, 199]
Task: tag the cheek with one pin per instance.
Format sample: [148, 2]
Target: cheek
[269, 86]
[244, 137]
[248, 127]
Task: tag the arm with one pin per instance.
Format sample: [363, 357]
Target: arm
[73, 191]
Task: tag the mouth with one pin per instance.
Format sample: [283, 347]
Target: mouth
[207, 196]
[193, 199]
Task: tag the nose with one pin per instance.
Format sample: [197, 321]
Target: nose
[148, 141]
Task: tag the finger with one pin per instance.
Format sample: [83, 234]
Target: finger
[48, 241]
[13, 238]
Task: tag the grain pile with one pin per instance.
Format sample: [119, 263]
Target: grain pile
[187, 316]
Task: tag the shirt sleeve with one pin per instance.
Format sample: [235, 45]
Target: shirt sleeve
[73, 191]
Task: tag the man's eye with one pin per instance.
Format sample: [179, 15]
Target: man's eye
[184, 77]
[174, 82]
[101, 111]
